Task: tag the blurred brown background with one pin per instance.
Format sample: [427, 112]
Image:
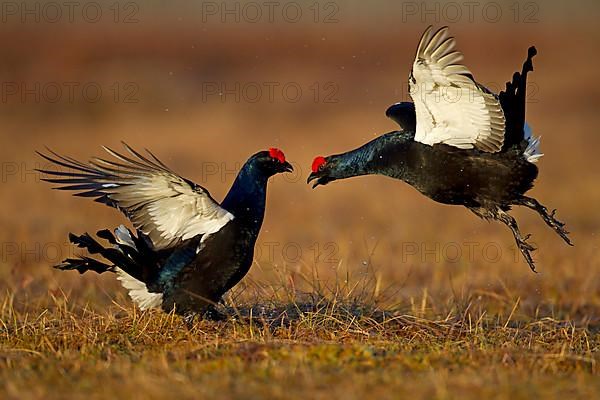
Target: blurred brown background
[206, 84]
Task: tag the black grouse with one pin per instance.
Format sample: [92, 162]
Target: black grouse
[459, 144]
[187, 250]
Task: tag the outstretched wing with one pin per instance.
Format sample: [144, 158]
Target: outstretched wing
[451, 107]
[161, 204]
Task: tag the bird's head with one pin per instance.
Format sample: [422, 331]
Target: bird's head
[271, 162]
[324, 170]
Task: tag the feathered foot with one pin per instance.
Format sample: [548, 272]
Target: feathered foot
[549, 218]
[521, 241]
[189, 319]
[210, 314]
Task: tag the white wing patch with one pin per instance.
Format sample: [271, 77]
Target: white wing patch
[532, 152]
[450, 106]
[166, 207]
[139, 292]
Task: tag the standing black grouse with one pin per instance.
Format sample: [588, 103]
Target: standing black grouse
[459, 144]
[189, 250]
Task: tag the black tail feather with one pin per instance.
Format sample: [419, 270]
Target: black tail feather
[114, 255]
[513, 101]
[83, 264]
[107, 235]
[123, 257]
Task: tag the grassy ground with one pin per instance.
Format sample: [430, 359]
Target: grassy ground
[363, 288]
[329, 349]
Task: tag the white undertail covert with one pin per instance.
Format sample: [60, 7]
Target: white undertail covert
[532, 152]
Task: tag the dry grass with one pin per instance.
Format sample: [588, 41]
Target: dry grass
[334, 345]
[297, 335]
[377, 304]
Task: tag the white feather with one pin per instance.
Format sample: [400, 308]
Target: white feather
[123, 237]
[450, 106]
[532, 152]
[138, 291]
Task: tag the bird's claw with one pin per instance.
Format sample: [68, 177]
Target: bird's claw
[526, 249]
[190, 319]
[549, 218]
[559, 227]
[213, 314]
[554, 223]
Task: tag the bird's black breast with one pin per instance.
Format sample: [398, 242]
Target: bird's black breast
[223, 260]
[457, 176]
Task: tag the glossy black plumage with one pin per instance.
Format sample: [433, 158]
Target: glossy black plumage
[487, 183]
[187, 251]
[404, 115]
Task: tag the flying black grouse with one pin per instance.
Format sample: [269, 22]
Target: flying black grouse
[189, 250]
[459, 144]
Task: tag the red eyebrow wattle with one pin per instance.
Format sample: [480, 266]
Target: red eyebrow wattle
[317, 162]
[277, 154]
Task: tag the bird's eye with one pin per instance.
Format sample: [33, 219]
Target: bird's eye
[322, 167]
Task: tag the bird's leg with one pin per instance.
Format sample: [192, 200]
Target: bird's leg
[549, 218]
[213, 314]
[522, 244]
[189, 318]
[210, 314]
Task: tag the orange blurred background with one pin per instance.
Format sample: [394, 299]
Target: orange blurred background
[206, 84]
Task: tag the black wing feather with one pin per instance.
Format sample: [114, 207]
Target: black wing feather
[404, 115]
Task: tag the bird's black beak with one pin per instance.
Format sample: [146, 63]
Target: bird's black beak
[287, 167]
[321, 180]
